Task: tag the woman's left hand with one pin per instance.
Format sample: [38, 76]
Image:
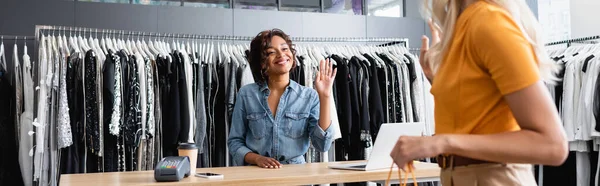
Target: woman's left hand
[409, 148]
[325, 77]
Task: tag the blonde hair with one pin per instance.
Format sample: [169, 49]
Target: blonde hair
[445, 13]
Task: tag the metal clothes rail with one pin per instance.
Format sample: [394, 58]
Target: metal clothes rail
[39, 29]
[16, 37]
[576, 40]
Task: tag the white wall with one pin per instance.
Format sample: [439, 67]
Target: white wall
[585, 18]
[554, 16]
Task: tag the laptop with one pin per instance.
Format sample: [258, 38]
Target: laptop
[386, 139]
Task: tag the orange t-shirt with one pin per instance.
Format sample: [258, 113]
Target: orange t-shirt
[489, 57]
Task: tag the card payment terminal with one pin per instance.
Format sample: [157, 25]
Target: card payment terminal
[172, 168]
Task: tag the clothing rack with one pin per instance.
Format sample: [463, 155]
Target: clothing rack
[576, 40]
[42, 28]
[16, 37]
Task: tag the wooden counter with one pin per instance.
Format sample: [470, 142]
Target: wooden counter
[315, 173]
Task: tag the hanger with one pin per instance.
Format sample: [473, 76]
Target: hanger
[72, 42]
[150, 47]
[119, 41]
[84, 44]
[212, 51]
[101, 51]
[103, 42]
[143, 48]
[371, 51]
[63, 40]
[195, 49]
[189, 46]
[61, 44]
[240, 54]
[110, 41]
[173, 45]
[90, 42]
[77, 41]
[158, 46]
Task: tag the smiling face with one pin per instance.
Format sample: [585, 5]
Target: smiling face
[271, 55]
[279, 57]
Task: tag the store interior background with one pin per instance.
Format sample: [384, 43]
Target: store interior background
[561, 19]
[395, 18]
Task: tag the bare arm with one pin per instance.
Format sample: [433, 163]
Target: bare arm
[325, 112]
[541, 139]
[251, 157]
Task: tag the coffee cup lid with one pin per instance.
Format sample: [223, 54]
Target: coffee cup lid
[187, 146]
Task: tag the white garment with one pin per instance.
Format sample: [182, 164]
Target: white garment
[247, 77]
[26, 140]
[40, 121]
[406, 86]
[187, 66]
[582, 160]
[141, 66]
[585, 115]
[150, 99]
[115, 120]
[568, 100]
[65, 137]
[335, 122]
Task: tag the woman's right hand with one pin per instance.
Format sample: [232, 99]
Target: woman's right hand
[266, 162]
[435, 34]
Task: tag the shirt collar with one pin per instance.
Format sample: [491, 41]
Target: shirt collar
[293, 85]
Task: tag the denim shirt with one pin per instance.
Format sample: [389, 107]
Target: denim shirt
[285, 136]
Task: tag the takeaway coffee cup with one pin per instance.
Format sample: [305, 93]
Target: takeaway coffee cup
[191, 151]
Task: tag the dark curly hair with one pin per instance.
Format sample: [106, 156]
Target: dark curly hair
[258, 53]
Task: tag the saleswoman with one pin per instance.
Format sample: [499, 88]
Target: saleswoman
[494, 116]
[275, 117]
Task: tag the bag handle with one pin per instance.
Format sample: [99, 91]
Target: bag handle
[402, 183]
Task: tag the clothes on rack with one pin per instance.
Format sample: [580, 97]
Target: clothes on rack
[10, 171]
[109, 104]
[374, 87]
[578, 108]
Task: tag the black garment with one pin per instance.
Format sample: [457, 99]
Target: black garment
[383, 84]
[365, 126]
[356, 149]
[164, 73]
[396, 81]
[375, 103]
[72, 157]
[301, 79]
[412, 74]
[596, 102]
[558, 88]
[231, 92]
[125, 90]
[344, 107]
[134, 116]
[110, 140]
[172, 128]
[216, 87]
[565, 174]
[200, 136]
[91, 103]
[10, 171]
[184, 104]
[393, 104]
[220, 118]
[209, 90]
